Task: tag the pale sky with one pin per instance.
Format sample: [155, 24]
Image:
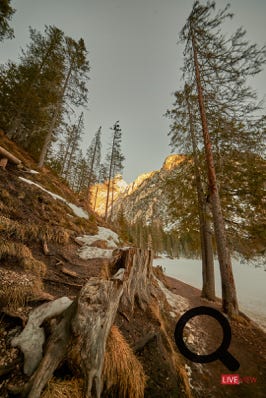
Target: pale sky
[135, 63]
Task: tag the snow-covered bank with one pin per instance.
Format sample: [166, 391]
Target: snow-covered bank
[250, 283]
[78, 211]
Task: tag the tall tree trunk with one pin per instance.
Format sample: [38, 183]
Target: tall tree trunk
[49, 135]
[208, 287]
[229, 297]
[112, 200]
[95, 199]
[67, 151]
[109, 179]
[90, 174]
[73, 148]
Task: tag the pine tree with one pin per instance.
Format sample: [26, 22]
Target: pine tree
[73, 89]
[93, 159]
[35, 85]
[74, 137]
[220, 67]
[6, 12]
[115, 163]
[183, 134]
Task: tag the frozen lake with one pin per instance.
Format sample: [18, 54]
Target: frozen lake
[250, 283]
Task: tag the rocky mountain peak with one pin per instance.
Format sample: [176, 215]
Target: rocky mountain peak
[172, 161]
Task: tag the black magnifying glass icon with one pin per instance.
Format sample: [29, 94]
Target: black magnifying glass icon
[221, 353]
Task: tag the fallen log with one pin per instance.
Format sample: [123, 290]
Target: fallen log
[7, 155]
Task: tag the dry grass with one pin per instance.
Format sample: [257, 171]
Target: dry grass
[5, 196]
[13, 249]
[11, 228]
[35, 266]
[24, 256]
[32, 232]
[17, 289]
[63, 389]
[123, 374]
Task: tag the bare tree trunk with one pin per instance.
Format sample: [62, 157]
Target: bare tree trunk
[95, 199]
[209, 291]
[112, 200]
[90, 175]
[67, 151]
[229, 297]
[208, 287]
[70, 158]
[109, 179]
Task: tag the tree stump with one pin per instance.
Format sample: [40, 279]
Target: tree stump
[86, 323]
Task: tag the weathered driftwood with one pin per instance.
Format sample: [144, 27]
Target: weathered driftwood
[32, 338]
[56, 351]
[7, 155]
[87, 322]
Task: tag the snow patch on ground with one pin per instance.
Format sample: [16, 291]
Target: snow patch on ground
[78, 211]
[87, 252]
[250, 282]
[178, 303]
[111, 238]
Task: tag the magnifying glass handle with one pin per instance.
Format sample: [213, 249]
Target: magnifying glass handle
[229, 361]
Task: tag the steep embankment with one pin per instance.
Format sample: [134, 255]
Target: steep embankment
[47, 252]
[50, 249]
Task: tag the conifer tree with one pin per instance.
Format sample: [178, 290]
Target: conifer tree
[183, 135]
[115, 160]
[35, 84]
[93, 159]
[72, 146]
[220, 67]
[6, 12]
[73, 89]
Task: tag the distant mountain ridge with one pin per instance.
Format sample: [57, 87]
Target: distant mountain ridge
[144, 198]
